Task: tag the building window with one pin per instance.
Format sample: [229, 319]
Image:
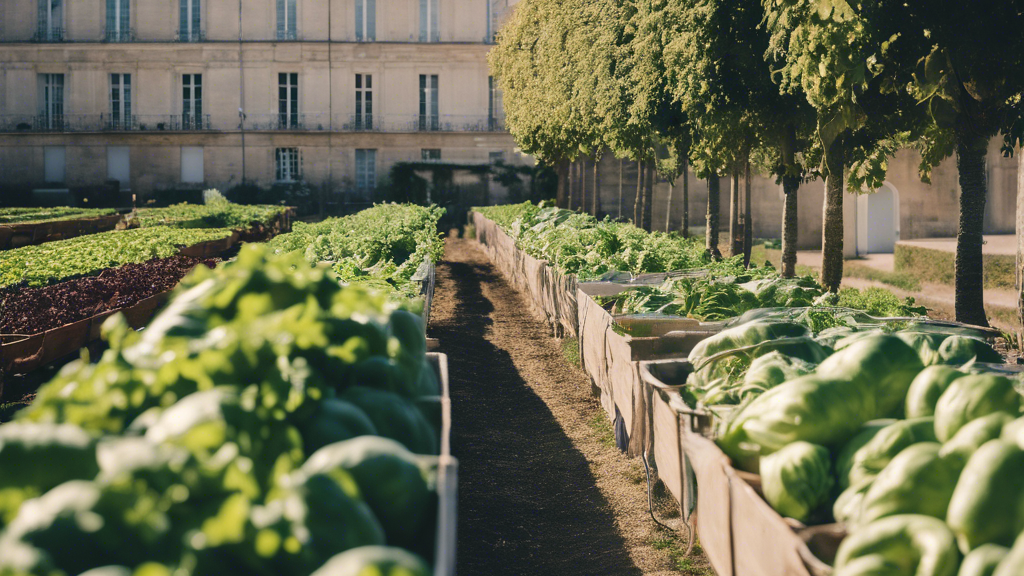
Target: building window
[489, 37]
[192, 102]
[496, 157]
[119, 166]
[52, 117]
[366, 20]
[119, 21]
[431, 154]
[54, 163]
[366, 170]
[364, 102]
[190, 22]
[494, 105]
[287, 165]
[288, 101]
[192, 164]
[51, 21]
[286, 19]
[429, 31]
[429, 117]
[121, 101]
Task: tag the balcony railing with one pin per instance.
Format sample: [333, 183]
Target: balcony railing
[306, 122]
[191, 36]
[119, 36]
[319, 121]
[105, 123]
[311, 122]
[49, 34]
[363, 123]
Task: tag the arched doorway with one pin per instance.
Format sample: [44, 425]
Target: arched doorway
[878, 216]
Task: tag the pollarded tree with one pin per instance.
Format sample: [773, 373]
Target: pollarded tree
[834, 56]
[961, 65]
[699, 80]
[657, 128]
[720, 78]
[970, 73]
[533, 63]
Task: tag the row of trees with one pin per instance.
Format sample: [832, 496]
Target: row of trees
[800, 89]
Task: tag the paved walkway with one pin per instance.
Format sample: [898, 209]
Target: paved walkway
[1001, 244]
[938, 297]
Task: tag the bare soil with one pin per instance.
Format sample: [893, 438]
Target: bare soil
[542, 488]
[33, 310]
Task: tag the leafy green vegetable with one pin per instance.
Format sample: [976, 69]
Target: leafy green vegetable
[971, 397]
[581, 245]
[797, 479]
[919, 480]
[382, 560]
[875, 455]
[987, 506]
[205, 423]
[214, 215]
[41, 215]
[381, 247]
[983, 560]
[85, 255]
[898, 545]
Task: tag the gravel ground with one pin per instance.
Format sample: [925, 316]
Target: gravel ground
[542, 489]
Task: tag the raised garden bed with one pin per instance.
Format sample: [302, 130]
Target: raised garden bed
[16, 235]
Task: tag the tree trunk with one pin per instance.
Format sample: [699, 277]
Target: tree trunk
[1020, 246]
[596, 198]
[971, 148]
[584, 206]
[668, 208]
[790, 185]
[711, 231]
[562, 195]
[748, 216]
[832, 229]
[735, 238]
[686, 198]
[638, 201]
[621, 162]
[649, 196]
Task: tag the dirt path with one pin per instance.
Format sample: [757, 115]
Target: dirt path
[542, 491]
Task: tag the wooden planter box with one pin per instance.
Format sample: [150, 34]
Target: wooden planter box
[740, 532]
[28, 233]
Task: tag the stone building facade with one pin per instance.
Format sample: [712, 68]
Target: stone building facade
[179, 94]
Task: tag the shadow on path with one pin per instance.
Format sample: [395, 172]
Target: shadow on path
[528, 502]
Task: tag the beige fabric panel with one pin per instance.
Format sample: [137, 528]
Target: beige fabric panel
[667, 444]
[714, 517]
[623, 375]
[594, 326]
[765, 544]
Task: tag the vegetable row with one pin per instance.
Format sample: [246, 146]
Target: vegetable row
[903, 430]
[269, 421]
[712, 297]
[381, 247]
[86, 255]
[215, 213]
[41, 215]
[580, 244]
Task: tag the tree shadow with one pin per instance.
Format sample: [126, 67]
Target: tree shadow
[528, 502]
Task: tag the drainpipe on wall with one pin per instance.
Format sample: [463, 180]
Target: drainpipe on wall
[330, 108]
[241, 88]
